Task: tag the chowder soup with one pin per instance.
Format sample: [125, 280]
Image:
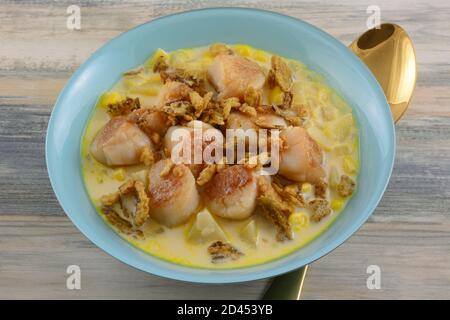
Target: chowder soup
[141, 170]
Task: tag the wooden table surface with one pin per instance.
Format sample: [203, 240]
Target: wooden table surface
[408, 236]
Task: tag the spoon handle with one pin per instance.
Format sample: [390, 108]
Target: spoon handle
[287, 286]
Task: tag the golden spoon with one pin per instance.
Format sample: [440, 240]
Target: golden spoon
[389, 54]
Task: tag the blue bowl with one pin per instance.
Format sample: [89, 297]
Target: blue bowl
[273, 32]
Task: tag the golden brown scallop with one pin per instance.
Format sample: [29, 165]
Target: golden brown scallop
[300, 156]
[232, 193]
[232, 75]
[172, 193]
[120, 142]
[179, 139]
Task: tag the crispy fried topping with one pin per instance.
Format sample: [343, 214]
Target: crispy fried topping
[110, 199]
[127, 187]
[218, 49]
[287, 100]
[280, 74]
[267, 124]
[274, 209]
[179, 108]
[196, 100]
[206, 174]
[249, 110]
[214, 114]
[138, 216]
[123, 107]
[320, 209]
[113, 217]
[346, 186]
[142, 207]
[145, 120]
[228, 105]
[252, 97]
[191, 79]
[200, 103]
[290, 193]
[221, 252]
[320, 189]
[147, 156]
[278, 213]
[294, 115]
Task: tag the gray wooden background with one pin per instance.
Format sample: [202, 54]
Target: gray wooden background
[408, 236]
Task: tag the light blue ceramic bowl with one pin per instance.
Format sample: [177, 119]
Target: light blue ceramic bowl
[270, 31]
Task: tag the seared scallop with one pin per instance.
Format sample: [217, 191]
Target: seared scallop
[120, 142]
[232, 192]
[187, 146]
[232, 75]
[172, 192]
[300, 156]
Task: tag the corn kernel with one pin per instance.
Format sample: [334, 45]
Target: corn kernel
[243, 50]
[276, 96]
[260, 56]
[337, 204]
[110, 97]
[298, 221]
[119, 174]
[306, 187]
[350, 164]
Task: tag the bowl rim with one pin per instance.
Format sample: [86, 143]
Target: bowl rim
[210, 275]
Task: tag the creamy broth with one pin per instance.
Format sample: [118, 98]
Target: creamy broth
[329, 122]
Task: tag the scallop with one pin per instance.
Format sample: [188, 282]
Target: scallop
[232, 75]
[300, 156]
[173, 196]
[119, 142]
[179, 139]
[232, 192]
